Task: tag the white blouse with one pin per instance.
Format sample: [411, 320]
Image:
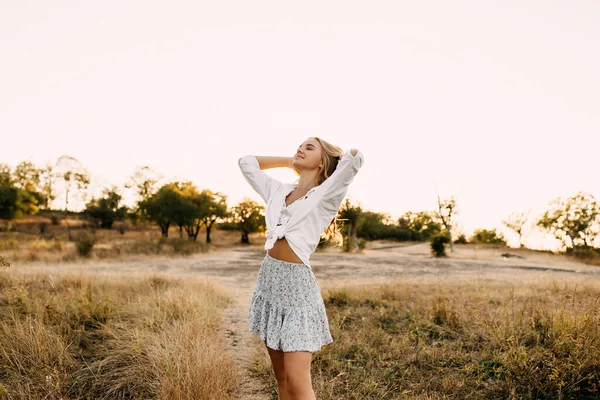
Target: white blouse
[303, 221]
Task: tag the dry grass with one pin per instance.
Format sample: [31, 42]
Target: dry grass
[459, 340]
[54, 246]
[112, 337]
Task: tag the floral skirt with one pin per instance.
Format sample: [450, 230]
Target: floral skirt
[287, 309]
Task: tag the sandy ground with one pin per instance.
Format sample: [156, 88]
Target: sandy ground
[235, 271]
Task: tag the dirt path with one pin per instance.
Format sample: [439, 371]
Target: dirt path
[243, 346]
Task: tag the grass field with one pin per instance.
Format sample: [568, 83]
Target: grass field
[466, 340]
[171, 324]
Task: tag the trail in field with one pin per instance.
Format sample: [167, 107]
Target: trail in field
[243, 346]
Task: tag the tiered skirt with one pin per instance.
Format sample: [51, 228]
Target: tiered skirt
[287, 309]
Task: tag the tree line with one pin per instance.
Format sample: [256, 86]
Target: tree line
[27, 189]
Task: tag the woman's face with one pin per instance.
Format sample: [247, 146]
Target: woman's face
[308, 155]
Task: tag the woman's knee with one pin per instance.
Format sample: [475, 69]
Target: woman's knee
[297, 371]
[278, 365]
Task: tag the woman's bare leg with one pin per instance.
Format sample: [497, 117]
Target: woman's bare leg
[297, 372]
[278, 368]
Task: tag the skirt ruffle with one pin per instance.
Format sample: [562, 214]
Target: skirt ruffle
[287, 310]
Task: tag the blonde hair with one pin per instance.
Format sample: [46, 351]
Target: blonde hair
[330, 156]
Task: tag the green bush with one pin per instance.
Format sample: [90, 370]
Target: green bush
[85, 244]
[487, 236]
[438, 244]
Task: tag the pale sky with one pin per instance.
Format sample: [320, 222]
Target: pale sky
[496, 102]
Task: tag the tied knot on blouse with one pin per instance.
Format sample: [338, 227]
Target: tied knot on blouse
[279, 231]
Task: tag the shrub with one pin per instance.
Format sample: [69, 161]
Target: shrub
[488, 236]
[85, 244]
[438, 244]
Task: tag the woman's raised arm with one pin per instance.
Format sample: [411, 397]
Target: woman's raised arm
[334, 189]
[252, 169]
[267, 162]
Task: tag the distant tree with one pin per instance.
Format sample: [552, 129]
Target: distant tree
[6, 177]
[197, 208]
[516, 222]
[248, 216]
[28, 203]
[461, 239]
[73, 175]
[168, 206]
[184, 213]
[106, 210]
[48, 177]
[421, 222]
[216, 209]
[15, 201]
[27, 177]
[144, 181]
[351, 215]
[487, 236]
[8, 201]
[8, 195]
[574, 221]
[372, 224]
[447, 209]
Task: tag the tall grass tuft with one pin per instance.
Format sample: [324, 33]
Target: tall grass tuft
[112, 337]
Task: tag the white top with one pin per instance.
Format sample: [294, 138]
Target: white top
[302, 224]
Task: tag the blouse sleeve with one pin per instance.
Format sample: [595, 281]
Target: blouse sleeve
[334, 189]
[265, 185]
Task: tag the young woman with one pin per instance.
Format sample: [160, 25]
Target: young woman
[287, 310]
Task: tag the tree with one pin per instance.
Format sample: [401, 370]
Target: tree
[48, 179]
[143, 181]
[516, 222]
[106, 210]
[168, 206]
[198, 208]
[15, 201]
[372, 224]
[28, 203]
[27, 177]
[351, 214]
[248, 216]
[5, 175]
[73, 175]
[574, 221]
[421, 222]
[446, 211]
[8, 201]
[216, 209]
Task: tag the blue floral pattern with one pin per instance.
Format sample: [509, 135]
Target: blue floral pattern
[287, 309]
